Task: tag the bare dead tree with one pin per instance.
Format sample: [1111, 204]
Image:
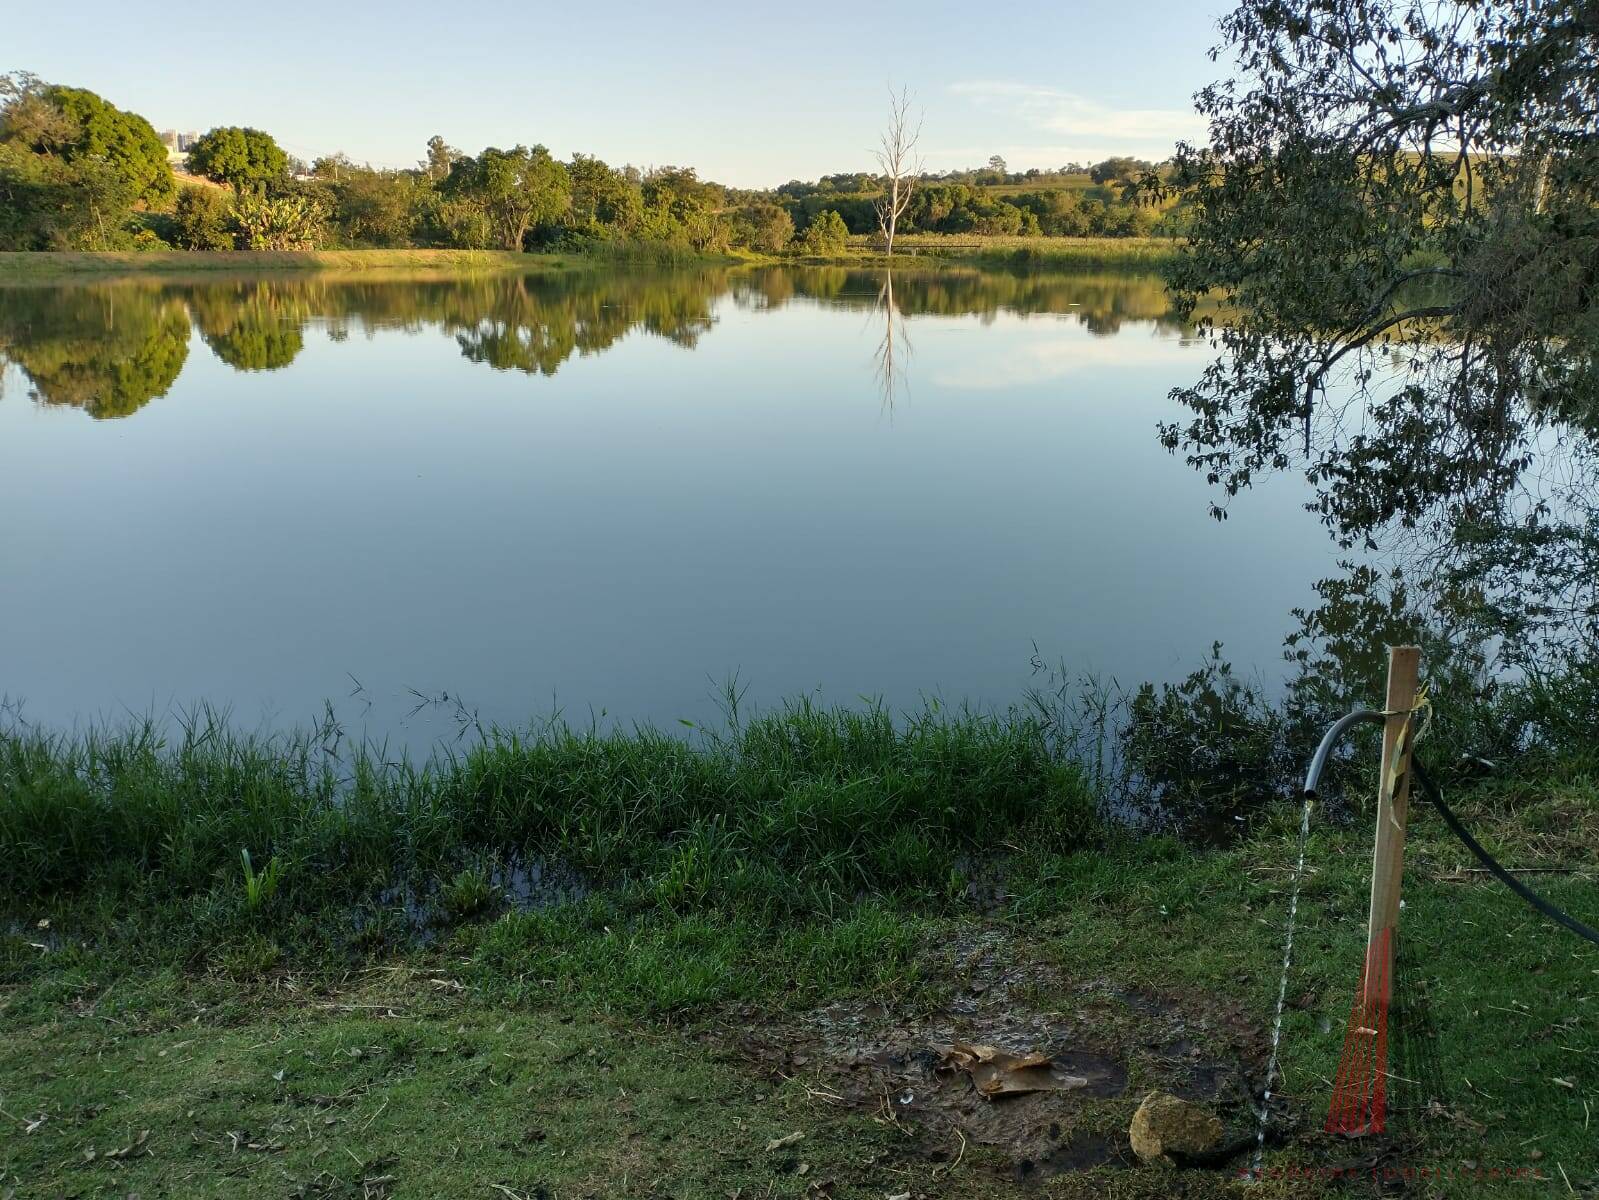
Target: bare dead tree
[899, 162]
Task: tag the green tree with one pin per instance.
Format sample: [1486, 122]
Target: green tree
[244, 159]
[1113, 170]
[203, 219]
[765, 227]
[123, 140]
[47, 203]
[333, 166]
[1401, 204]
[29, 119]
[459, 222]
[376, 208]
[602, 197]
[826, 234]
[679, 206]
[69, 180]
[516, 190]
[441, 156]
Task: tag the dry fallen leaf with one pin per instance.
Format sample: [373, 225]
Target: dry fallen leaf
[787, 1139]
[997, 1072]
[132, 1147]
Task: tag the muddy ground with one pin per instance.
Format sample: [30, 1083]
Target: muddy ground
[1107, 1047]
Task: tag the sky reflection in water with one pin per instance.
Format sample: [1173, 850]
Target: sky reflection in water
[610, 492]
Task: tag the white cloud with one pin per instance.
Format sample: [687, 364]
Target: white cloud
[1087, 124]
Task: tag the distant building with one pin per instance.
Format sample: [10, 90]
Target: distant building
[178, 144]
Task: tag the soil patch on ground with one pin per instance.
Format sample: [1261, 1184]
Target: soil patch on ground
[1106, 1049]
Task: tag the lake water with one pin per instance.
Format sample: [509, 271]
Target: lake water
[609, 493]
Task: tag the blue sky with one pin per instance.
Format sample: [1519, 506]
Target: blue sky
[749, 95]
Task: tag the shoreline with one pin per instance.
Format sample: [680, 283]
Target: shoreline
[50, 266]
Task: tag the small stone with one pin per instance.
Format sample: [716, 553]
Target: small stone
[1166, 1129]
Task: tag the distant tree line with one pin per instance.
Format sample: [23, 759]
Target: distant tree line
[1119, 169]
[76, 172]
[1119, 197]
[963, 208]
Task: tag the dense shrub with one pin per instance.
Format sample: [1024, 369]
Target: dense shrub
[280, 223]
[203, 219]
[764, 227]
[826, 234]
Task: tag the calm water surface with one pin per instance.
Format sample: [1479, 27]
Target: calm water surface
[609, 493]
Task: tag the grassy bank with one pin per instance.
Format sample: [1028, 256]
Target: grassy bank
[581, 964]
[1065, 253]
[1054, 252]
[795, 810]
[63, 265]
[49, 266]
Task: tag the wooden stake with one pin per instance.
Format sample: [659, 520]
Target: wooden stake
[1393, 802]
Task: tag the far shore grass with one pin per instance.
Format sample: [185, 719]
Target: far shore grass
[47, 265]
[910, 250]
[1057, 252]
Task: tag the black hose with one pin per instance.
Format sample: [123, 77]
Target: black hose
[1488, 860]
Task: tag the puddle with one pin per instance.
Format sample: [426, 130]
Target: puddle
[987, 889]
[33, 934]
[418, 913]
[538, 883]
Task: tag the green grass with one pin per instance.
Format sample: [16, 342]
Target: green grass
[1496, 1006]
[509, 1053]
[999, 251]
[1064, 252]
[439, 1037]
[834, 800]
[18, 267]
[397, 1086]
[801, 846]
[30, 266]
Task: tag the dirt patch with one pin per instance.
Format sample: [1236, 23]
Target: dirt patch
[1105, 1047]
